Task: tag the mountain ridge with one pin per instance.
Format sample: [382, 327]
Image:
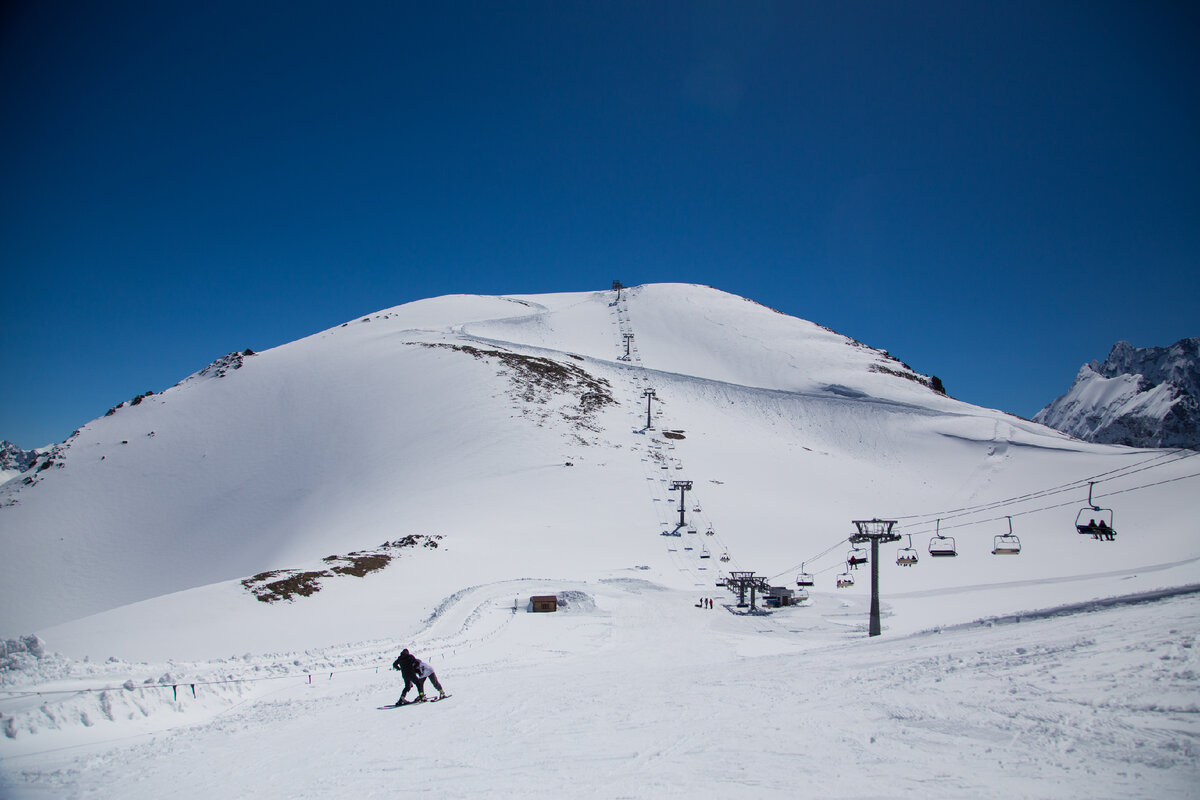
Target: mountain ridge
[1140, 397]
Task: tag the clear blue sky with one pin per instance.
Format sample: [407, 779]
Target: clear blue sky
[994, 192]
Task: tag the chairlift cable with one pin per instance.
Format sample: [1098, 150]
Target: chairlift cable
[1120, 472]
[1012, 501]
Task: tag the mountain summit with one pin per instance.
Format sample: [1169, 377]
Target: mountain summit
[1139, 396]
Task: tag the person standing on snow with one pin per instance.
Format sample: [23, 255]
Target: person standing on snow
[415, 671]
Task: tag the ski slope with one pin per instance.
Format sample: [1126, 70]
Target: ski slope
[638, 693]
[514, 428]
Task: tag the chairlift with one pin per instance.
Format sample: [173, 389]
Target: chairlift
[725, 557]
[939, 545]
[710, 531]
[1099, 521]
[696, 509]
[907, 556]
[704, 552]
[804, 578]
[799, 596]
[857, 556]
[1006, 544]
[691, 530]
[845, 580]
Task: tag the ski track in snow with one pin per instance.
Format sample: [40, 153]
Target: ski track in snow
[647, 696]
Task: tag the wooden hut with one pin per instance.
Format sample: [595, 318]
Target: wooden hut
[540, 603]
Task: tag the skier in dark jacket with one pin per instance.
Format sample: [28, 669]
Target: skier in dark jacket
[415, 671]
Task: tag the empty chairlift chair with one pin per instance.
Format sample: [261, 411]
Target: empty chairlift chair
[942, 546]
[1095, 521]
[1007, 544]
[804, 578]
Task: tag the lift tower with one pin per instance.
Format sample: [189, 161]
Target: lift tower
[683, 487]
[874, 531]
[649, 395]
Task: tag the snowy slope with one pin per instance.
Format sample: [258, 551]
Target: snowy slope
[386, 427]
[637, 693]
[1138, 396]
[514, 429]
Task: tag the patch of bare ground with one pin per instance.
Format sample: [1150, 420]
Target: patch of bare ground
[537, 381]
[286, 584]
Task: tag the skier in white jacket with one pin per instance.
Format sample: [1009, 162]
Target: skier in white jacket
[415, 671]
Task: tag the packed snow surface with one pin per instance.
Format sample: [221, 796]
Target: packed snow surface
[411, 478]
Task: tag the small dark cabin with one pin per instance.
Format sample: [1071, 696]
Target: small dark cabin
[543, 603]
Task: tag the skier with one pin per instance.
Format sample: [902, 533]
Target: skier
[415, 671]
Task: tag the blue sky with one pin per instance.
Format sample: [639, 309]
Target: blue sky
[994, 192]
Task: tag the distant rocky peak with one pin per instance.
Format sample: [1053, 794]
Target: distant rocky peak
[14, 459]
[1138, 396]
[1178, 364]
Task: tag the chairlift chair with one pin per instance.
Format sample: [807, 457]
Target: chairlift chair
[799, 596]
[845, 580]
[691, 530]
[857, 556]
[710, 532]
[704, 552]
[804, 578]
[1095, 521]
[1006, 544]
[725, 556]
[941, 546]
[907, 556]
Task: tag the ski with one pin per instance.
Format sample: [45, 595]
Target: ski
[414, 702]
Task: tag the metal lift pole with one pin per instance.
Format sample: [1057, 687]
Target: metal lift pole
[682, 486]
[874, 628]
[650, 395]
[874, 531]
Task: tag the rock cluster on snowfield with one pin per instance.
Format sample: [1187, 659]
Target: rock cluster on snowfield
[1139, 396]
[223, 365]
[13, 458]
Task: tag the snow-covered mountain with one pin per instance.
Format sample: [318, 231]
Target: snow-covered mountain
[413, 476]
[455, 417]
[1139, 396]
[14, 460]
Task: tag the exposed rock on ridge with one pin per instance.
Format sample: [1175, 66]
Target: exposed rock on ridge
[1142, 397]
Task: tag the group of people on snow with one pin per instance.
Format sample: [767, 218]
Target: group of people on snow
[415, 672]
